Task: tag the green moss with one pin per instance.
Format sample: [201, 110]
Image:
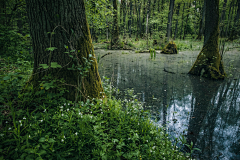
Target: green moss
[170, 48]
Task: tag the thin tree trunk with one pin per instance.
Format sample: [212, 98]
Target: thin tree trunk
[182, 20]
[115, 32]
[170, 15]
[176, 26]
[43, 19]
[185, 29]
[130, 19]
[236, 19]
[223, 18]
[201, 27]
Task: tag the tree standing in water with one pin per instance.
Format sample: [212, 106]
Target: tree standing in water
[209, 61]
[66, 22]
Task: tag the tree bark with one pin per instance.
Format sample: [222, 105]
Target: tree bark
[170, 15]
[209, 62]
[67, 19]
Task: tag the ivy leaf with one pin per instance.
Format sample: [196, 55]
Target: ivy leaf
[55, 65]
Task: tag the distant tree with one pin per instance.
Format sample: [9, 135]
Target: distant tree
[170, 15]
[115, 30]
[209, 61]
[66, 21]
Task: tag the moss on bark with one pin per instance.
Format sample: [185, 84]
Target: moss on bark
[209, 61]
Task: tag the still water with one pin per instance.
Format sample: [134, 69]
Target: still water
[206, 112]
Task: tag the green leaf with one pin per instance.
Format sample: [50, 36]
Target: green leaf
[45, 146]
[42, 139]
[6, 78]
[44, 66]
[51, 140]
[55, 65]
[51, 49]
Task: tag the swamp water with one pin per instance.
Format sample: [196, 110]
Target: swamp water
[206, 112]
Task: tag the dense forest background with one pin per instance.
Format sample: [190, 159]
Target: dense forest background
[137, 19]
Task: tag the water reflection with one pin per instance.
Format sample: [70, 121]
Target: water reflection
[206, 112]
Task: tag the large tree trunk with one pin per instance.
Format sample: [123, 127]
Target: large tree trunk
[115, 32]
[209, 61]
[67, 19]
[170, 15]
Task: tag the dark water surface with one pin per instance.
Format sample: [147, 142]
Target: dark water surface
[207, 112]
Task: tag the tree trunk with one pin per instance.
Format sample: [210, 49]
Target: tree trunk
[176, 26]
[182, 21]
[209, 62]
[130, 17]
[233, 34]
[230, 18]
[115, 32]
[223, 17]
[201, 27]
[185, 28]
[67, 19]
[170, 15]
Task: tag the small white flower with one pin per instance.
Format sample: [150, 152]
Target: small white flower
[146, 140]
[44, 110]
[67, 110]
[61, 107]
[19, 121]
[62, 140]
[62, 114]
[64, 104]
[9, 128]
[64, 137]
[6, 121]
[102, 112]
[76, 133]
[29, 136]
[21, 124]
[1, 135]
[24, 118]
[40, 120]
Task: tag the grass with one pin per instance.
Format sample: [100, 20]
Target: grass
[59, 129]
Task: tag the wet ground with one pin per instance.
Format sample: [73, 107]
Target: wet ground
[206, 112]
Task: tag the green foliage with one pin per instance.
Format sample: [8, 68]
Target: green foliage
[57, 128]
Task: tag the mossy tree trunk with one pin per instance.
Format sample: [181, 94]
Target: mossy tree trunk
[209, 61]
[67, 19]
[115, 32]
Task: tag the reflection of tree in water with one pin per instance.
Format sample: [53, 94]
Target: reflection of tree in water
[216, 113]
[203, 91]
